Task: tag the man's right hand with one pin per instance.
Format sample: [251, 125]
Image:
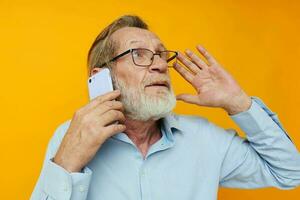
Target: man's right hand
[90, 127]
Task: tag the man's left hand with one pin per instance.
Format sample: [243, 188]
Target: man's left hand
[215, 87]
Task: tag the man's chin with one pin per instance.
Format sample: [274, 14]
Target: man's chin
[158, 98]
[151, 108]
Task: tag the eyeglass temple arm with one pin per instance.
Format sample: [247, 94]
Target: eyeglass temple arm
[176, 54]
[115, 58]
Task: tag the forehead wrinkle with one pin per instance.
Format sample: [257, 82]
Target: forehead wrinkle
[153, 42]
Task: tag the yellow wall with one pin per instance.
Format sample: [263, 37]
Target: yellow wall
[43, 46]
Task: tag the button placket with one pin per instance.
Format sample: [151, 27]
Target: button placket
[66, 187]
[143, 179]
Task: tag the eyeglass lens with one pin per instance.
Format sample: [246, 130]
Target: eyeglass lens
[143, 57]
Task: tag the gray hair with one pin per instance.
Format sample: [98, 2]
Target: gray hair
[103, 49]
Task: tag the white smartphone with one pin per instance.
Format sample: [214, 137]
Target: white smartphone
[100, 83]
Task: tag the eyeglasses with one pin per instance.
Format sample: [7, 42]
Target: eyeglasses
[144, 57]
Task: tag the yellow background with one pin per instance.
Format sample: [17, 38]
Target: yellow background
[44, 44]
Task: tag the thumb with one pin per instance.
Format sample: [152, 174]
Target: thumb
[188, 98]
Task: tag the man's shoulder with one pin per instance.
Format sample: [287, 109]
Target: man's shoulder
[59, 134]
[61, 129]
[199, 124]
[201, 130]
[65, 124]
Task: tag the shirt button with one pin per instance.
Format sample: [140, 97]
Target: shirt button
[81, 188]
[65, 186]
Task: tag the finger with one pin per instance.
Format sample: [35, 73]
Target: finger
[188, 98]
[114, 129]
[211, 60]
[195, 59]
[111, 116]
[108, 96]
[189, 64]
[183, 72]
[102, 98]
[108, 105]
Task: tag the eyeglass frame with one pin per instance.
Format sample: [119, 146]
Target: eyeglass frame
[133, 49]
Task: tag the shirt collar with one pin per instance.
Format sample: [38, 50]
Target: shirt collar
[167, 125]
[170, 122]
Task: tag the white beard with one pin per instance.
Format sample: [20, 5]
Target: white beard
[143, 107]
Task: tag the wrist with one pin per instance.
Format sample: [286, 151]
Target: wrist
[238, 104]
[69, 167]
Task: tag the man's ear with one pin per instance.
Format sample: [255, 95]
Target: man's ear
[96, 70]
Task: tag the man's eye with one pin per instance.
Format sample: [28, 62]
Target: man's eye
[137, 54]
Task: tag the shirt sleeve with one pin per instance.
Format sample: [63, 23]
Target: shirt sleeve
[55, 182]
[267, 156]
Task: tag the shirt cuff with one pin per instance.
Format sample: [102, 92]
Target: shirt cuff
[61, 184]
[257, 118]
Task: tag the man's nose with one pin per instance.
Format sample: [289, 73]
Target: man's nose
[158, 64]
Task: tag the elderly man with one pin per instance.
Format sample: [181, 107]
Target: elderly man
[153, 153]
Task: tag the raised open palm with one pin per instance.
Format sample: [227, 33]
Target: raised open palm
[215, 87]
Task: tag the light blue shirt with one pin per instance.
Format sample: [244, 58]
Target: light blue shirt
[192, 159]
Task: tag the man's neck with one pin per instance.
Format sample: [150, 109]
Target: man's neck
[142, 133]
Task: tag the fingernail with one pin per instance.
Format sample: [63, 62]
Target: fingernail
[188, 51]
[201, 47]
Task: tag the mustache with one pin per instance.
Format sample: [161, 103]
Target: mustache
[157, 79]
[147, 81]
